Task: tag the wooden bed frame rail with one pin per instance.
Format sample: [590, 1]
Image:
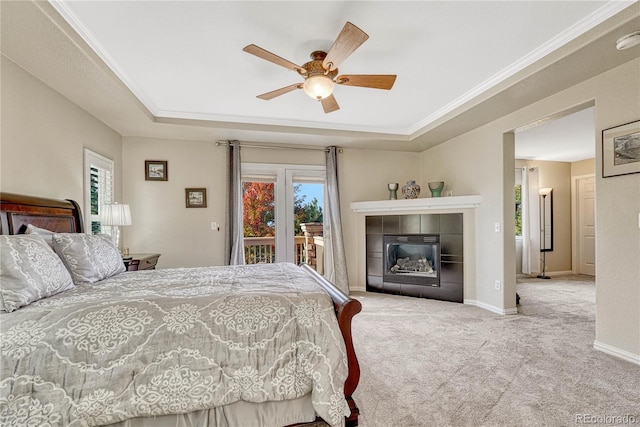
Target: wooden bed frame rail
[345, 308]
[64, 216]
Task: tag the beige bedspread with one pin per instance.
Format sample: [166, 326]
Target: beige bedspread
[172, 341]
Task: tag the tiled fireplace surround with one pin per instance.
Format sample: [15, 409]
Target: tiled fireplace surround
[452, 218]
[451, 261]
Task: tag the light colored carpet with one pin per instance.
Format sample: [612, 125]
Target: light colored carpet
[435, 363]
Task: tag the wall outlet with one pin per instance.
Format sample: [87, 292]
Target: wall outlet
[497, 285]
[497, 227]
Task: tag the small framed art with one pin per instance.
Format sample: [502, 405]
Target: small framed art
[196, 197]
[156, 170]
[621, 150]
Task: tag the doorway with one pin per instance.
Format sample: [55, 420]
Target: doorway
[283, 213]
[563, 147]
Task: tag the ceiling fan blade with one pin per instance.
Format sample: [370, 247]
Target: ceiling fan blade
[375, 81]
[270, 95]
[329, 104]
[349, 39]
[271, 57]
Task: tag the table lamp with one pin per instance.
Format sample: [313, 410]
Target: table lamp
[115, 215]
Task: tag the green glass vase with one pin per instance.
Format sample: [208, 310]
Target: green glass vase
[436, 188]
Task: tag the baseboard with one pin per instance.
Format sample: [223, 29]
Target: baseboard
[559, 273]
[357, 288]
[547, 273]
[617, 352]
[491, 308]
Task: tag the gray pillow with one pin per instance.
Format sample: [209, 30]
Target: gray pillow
[89, 258]
[29, 271]
[47, 234]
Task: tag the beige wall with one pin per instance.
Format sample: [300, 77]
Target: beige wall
[474, 164]
[161, 222]
[583, 167]
[42, 139]
[283, 156]
[557, 175]
[617, 96]
[364, 175]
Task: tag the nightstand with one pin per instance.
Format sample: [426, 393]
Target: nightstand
[134, 262]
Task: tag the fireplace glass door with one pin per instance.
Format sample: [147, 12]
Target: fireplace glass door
[412, 259]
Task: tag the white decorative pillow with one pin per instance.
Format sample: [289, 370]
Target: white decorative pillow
[47, 234]
[89, 258]
[29, 271]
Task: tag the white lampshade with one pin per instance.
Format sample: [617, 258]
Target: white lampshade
[115, 214]
[318, 86]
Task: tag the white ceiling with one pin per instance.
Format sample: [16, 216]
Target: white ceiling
[185, 59]
[569, 138]
[460, 64]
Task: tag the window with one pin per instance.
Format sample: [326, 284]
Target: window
[99, 189]
[518, 198]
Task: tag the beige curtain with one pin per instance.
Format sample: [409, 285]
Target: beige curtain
[234, 238]
[335, 259]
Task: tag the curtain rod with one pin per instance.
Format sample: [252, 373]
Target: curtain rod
[276, 147]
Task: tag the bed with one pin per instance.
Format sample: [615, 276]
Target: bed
[214, 346]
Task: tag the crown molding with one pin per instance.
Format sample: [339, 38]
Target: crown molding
[599, 16]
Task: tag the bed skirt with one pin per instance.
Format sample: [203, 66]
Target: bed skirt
[245, 414]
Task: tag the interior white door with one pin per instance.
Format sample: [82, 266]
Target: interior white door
[587, 225]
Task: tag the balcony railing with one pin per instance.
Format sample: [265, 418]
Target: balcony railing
[262, 250]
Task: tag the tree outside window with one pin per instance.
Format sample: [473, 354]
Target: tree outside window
[518, 210]
[259, 209]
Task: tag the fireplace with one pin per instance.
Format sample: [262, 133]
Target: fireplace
[412, 259]
[429, 248]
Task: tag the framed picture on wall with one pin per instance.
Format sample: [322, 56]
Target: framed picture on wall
[156, 170]
[621, 150]
[196, 197]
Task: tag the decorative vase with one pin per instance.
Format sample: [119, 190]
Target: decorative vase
[411, 190]
[393, 190]
[436, 188]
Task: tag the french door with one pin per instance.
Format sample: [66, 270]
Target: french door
[277, 199]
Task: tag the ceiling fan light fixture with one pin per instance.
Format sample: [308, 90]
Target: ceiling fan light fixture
[318, 86]
[630, 40]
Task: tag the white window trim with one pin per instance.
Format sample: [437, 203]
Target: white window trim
[91, 158]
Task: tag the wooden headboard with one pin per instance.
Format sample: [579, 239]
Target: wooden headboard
[16, 211]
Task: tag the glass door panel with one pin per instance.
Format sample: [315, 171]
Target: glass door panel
[259, 221]
[308, 202]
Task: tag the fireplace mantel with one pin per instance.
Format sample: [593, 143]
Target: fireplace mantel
[428, 203]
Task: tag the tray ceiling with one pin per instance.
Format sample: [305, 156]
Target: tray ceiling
[183, 61]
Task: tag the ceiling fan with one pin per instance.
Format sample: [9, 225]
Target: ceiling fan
[320, 73]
